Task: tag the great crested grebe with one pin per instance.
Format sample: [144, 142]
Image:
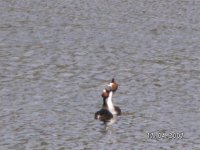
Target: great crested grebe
[115, 110]
[114, 86]
[104, 114]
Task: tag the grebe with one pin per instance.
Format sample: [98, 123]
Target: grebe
[104, 114]
[113, 85]
[115, 110]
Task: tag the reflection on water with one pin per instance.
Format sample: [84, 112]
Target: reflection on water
[57, 56]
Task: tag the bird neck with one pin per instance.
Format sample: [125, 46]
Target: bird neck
[109, 102]
[104, 103]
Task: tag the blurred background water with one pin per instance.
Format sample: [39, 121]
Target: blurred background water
[57, 56]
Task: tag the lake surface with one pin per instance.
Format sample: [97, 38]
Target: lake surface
[56, 57]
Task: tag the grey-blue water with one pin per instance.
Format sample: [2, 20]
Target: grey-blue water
[57, 56]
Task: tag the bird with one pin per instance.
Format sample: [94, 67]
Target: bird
[104, 114]
[115, 110]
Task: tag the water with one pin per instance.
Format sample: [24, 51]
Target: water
[57, 56]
